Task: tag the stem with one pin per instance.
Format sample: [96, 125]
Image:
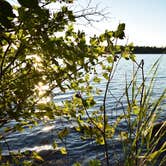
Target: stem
[129, 111]
[141, 106]
[91, 120]
[104, 118]
[15, 58]
[102, 131]
[8, 147]
[3, 60]
[143, 83]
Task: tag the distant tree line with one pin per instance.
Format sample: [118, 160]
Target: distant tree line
[141, 49]
[149, 50]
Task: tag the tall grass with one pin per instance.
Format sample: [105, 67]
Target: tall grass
[144, 143]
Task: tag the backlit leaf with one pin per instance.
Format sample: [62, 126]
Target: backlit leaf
[37, 156]
[63, 133]
[136, 110]
[100, 140]
[63, 150]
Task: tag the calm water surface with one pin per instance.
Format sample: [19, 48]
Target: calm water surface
[42, 136]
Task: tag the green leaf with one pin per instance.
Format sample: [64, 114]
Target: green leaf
[100, 140]
[106, 76]
[94, 162]
[96, 79]
[63, 150]
[43, 106]
[153, 155]
[133, 57]
[124, 135]
[55, 145]
[110, 59]
[136, 110]
[63, 133]
[110, 131]
[28, 4]
[77, 164]
[89, 102]
[119, 33]
[125, 55]
[37, 156]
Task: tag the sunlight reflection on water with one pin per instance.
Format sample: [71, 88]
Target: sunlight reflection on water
[47, 128]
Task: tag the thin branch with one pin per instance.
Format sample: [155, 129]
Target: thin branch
[91, 14]
[3, 59]
[13, 60]
[87, 15]
[91, 120]
[8, 147]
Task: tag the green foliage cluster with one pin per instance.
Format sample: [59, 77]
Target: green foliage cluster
[40, 48]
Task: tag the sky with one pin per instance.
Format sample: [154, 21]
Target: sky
[144, 19]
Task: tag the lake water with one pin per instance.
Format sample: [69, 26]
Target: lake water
[42, 136]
